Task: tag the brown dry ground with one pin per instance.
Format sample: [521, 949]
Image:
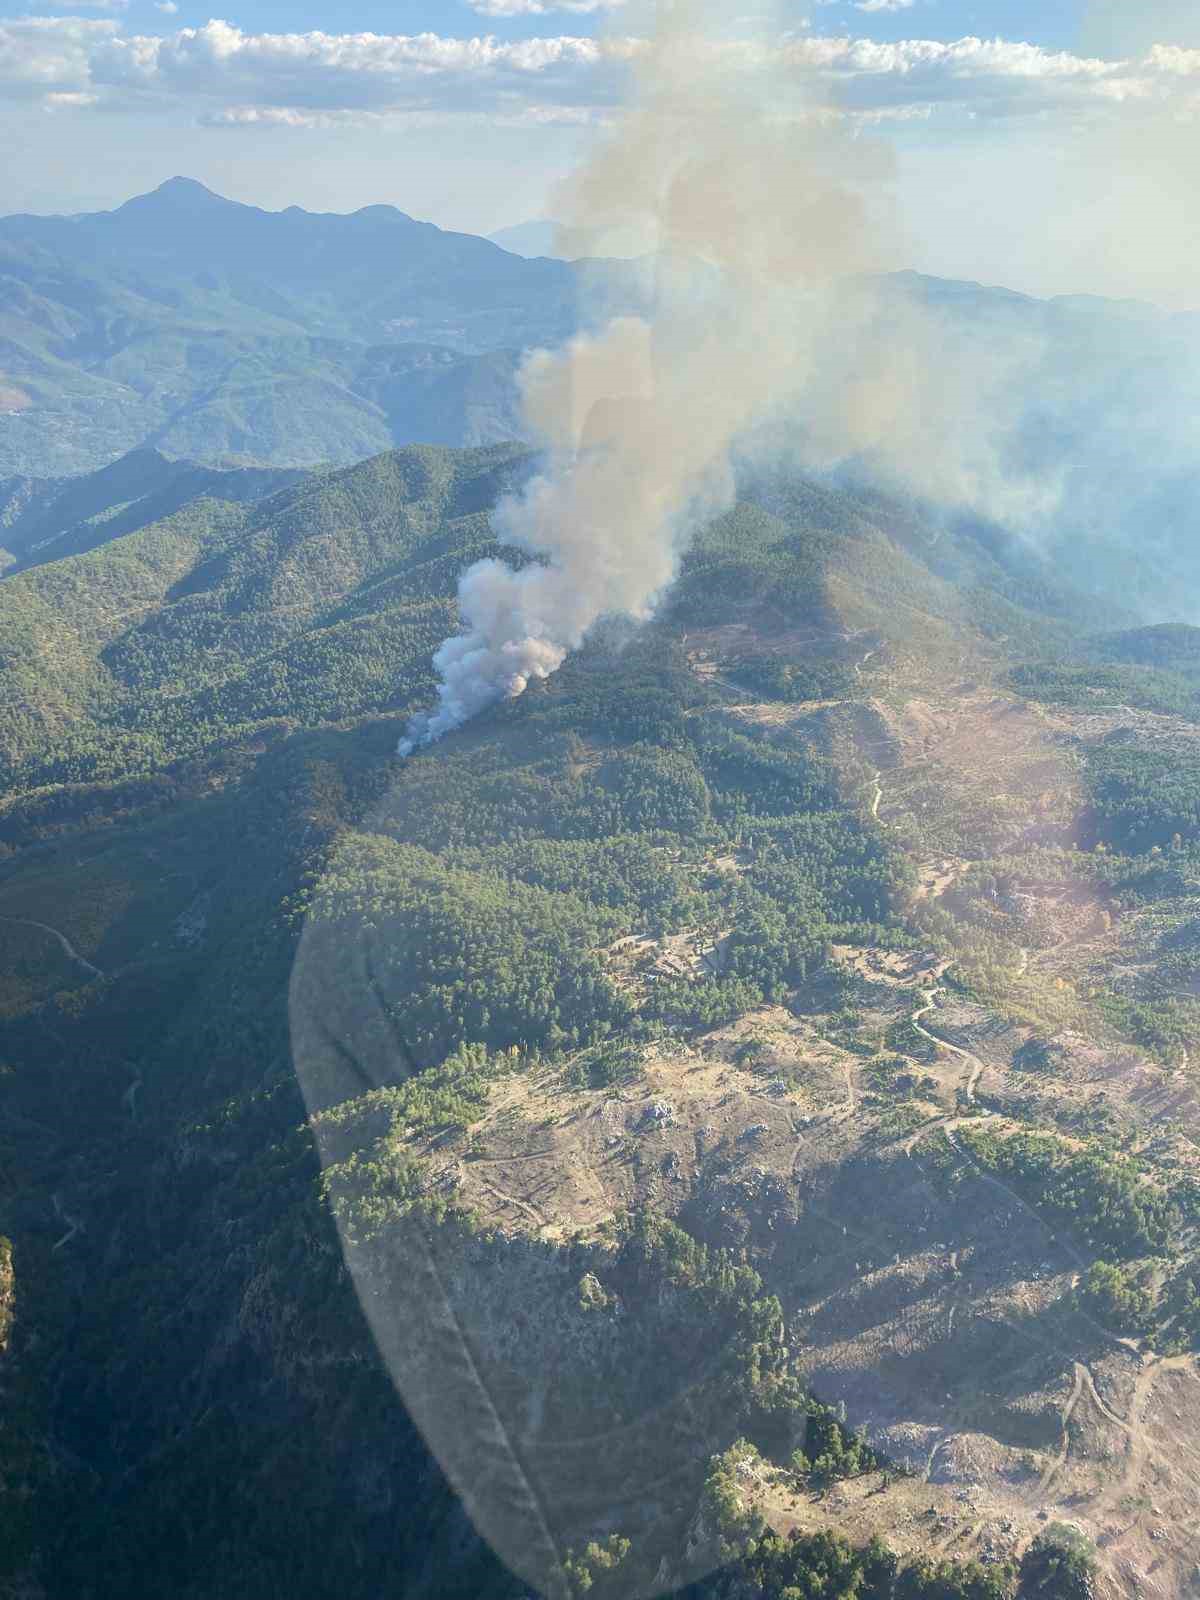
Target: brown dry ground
[938, 1313]
[920, 1292]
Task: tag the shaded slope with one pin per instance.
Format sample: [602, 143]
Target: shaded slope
[46, 519]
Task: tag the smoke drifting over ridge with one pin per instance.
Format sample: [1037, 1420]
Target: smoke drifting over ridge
[727, 157]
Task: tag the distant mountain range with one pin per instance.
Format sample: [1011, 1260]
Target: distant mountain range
[531, 239]
[220, 334]
[227, 333]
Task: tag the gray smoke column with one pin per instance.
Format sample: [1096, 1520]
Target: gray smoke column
[728, 161]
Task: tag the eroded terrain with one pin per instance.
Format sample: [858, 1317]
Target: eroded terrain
[855, 1143]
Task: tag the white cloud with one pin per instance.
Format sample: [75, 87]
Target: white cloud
[49, 55]
[986, 77]
[233, 78]
[283, 117]
[541, 8]
[883, 5]
[1170, 58]
[167, 7]
[958, 61]
[267, 117]
[349, 71]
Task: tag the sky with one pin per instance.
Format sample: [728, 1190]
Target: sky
[1049, 145]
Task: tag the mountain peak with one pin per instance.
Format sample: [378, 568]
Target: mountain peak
[179, 194]
[185, 186]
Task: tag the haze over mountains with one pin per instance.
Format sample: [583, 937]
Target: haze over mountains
[535, 238]
[220, 331]
[776, 1027]
[226, 335]
[45, 519]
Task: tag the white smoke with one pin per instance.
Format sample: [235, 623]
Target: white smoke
[728, 159]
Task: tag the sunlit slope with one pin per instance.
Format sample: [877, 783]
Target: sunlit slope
[327, 598]
[314, 603]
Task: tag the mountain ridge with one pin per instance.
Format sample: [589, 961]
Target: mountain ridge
[221, 330]
[46, 519]
[229, 334]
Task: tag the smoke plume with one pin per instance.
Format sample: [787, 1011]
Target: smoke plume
[755, 200]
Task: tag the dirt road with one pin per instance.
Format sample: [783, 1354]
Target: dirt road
[68, 948]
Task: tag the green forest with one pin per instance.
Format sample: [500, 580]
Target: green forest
[197, 740]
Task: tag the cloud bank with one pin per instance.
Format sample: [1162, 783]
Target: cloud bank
[220, 66]
[540, 8]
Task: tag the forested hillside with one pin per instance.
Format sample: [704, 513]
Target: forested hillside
[314, 603]
[46, 519]
[620, 1007]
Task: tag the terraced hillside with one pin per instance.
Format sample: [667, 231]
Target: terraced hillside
[765, 1047]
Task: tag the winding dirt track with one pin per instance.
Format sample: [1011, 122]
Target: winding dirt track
[976, 1065]
[1084, 1379]
[74, 1224]
[68, 948]
[1054, 1467]
[1085, 1384]
[875, 776]
[1069, 941]
[951, 1126]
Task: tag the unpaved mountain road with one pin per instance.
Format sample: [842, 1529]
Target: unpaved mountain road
[74, 1224]
[1136, 1427]
[973, 1061]
[875, 776]
[68, 948]
[1075, 940]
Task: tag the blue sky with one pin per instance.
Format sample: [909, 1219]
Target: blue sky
[1044, 145]
[1055, 24]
